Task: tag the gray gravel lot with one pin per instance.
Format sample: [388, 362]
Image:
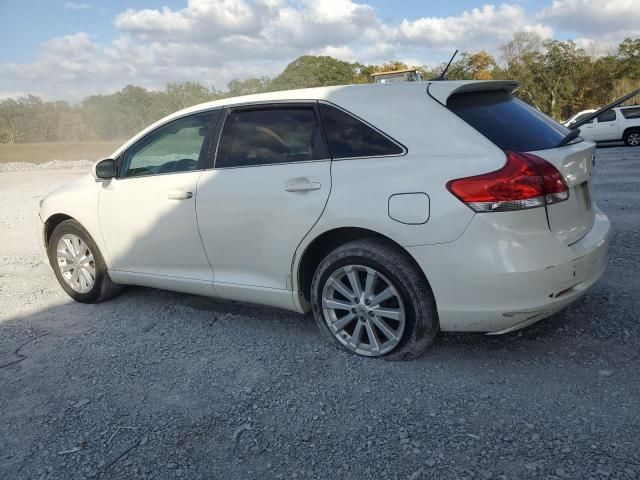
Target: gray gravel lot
[163, 385]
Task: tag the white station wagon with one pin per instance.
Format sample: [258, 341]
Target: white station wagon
[390, 211]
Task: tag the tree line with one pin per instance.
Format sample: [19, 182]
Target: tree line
[557, 77]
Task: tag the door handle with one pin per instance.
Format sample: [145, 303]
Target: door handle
[302, 185]
[179, 195]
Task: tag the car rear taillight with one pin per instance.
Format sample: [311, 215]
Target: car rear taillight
[526, 181]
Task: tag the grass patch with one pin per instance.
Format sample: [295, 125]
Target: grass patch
[46, 152]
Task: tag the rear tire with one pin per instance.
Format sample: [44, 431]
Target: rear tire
[78, 264]
[392, 313]
[632, 138]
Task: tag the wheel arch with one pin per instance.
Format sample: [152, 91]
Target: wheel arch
[51, 223]
[628, 130]
[328, 241]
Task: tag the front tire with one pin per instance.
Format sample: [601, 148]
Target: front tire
[632, 138]
[369, 298]
[78, 264]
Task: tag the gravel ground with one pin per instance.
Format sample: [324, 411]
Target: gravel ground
[163, 385]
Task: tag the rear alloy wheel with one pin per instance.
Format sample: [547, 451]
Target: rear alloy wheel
[363, 310]
[632, 139]
[370, 298]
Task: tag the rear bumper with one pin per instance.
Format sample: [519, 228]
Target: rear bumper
[499, 277]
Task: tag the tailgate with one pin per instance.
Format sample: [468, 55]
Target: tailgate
[572, 219]
[512, 125]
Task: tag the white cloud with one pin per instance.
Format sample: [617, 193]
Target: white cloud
[319, 23]
[214, 41]
[343, 52]
[484, 27]
[77, 6]
[200, 20]
[607, 20]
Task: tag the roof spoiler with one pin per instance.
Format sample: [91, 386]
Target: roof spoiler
[441, 91]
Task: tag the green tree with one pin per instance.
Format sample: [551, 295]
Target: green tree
[99, 113]
[182, 95]
[248, 86]
[390, 66]
[518, 55]
[481, 66]
[136, 108]
[547, 70]
[629, 57]
[312, 71]
[557, 77]
[476, 66]
[393, 65]
[594, 84]
[11, 114]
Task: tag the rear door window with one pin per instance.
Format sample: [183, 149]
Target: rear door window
[508, 122]
[270, 135]
[349, 137]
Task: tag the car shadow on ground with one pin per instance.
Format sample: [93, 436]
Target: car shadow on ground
[162, 365]
[610, 144]
[144, 313]
[73, 375]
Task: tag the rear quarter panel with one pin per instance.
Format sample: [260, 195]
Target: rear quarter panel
[625, 124]
[440, 147]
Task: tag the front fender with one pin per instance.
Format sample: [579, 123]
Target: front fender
[77, 200]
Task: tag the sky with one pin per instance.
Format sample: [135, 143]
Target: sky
[66, 50]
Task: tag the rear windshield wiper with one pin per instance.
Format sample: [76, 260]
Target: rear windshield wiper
[569, 136]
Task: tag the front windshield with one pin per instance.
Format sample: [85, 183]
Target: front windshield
[579, 117]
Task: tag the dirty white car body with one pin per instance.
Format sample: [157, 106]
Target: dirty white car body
[258, 233]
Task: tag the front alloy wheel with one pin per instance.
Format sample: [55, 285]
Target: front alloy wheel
[76, 263]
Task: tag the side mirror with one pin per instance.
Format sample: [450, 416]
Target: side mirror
[105, 169]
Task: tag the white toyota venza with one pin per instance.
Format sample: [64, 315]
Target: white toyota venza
[390, 211]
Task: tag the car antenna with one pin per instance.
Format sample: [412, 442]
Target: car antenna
[446, 69]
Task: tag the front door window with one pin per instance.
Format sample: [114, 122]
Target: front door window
[174, 147]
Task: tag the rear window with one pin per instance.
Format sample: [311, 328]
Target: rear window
[508, 122]
[633, 112]
[348, 137]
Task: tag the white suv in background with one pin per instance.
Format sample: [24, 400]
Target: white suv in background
[620, 123]
[390, 211]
